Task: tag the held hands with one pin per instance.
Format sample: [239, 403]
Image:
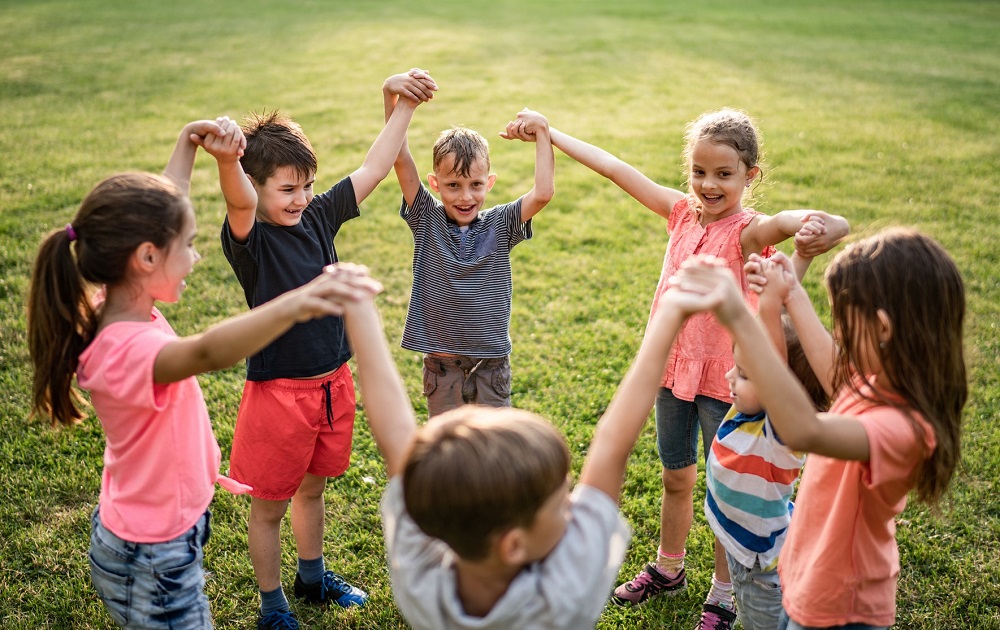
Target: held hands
[819, 233]
[333, 292]
[225, 144]
[705, 283]
[415, 86]
[778, 269]
[527, 125]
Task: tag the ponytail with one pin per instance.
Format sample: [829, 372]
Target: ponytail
[61, 322]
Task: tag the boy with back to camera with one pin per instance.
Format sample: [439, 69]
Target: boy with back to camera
[296, 417]
[460, 302]
[481, 527]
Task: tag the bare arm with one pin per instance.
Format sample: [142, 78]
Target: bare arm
[237, 189]
[659, 199]
[765, 230]
[181, 163]
[619, 427]
[788, 405]
[417, 86]
[232, 340]
[533, 127]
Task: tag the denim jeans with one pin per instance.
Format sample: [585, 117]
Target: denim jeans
[678, 423]
[758, 595]
[787, 624]
[151, 585]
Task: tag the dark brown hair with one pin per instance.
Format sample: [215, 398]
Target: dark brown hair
[915, 282]
[117, 216]
[274, 141]
[799, 366]
[476, 472]
[465, 145]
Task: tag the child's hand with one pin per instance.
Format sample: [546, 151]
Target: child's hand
[528, 124]
[705, 283]
[196, 130]
[415, 86]
[227, 146]
[334, 291]
[754, 270]
[819, 233]
[779, 277]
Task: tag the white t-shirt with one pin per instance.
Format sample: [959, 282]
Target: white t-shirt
[568, 589]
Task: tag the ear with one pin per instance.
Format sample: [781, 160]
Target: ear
[511, 547]
[145, 257]
[432, 181]
[752, 175]
[884, 327]
[489, 182]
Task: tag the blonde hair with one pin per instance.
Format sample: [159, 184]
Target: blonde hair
[466, 145]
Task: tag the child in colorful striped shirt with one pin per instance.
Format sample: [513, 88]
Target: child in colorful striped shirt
[751, 475]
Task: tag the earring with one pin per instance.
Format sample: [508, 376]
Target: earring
[748, 184]
[881, 345]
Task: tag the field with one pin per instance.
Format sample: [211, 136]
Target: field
[883, 112]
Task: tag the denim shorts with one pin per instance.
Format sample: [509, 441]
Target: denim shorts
[677, 425]
[151, 585]
[758, 595]
[453, 381]
[787, 624]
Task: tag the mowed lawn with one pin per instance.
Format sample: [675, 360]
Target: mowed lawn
[883, 112]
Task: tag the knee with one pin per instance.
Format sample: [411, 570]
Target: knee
[270, 512]
[679, 481]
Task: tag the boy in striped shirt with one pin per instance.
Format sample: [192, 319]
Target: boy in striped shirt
[460, 301]
[751, 475]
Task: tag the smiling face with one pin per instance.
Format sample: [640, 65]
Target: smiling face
[718, 178]
[463, 196]
[178, 260]
[283, 197]
[742, 390]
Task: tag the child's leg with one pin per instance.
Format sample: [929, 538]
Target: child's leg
[492, 380]
[758, 595]
[307, 517]
[264, 541]
[443, 381]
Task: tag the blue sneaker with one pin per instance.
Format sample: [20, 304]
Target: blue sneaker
[332, 588]
[277, 620]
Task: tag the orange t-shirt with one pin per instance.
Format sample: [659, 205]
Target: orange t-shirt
[703, 351]
[840, 561]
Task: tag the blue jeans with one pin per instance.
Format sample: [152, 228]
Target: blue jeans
[787, 624]
[151, 585]
[677, 425]
[758, 595]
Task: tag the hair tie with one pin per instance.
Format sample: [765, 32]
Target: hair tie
[71, 232]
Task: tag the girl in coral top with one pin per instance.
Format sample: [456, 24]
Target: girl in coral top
[132, 243]
[723, 161]
[897, 300]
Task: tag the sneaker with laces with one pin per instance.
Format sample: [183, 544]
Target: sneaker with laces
[332, 588]
[277, 620]
[716, 618]
[649, 583]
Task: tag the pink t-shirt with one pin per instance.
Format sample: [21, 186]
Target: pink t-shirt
[703, 352]
[161, 460]
[840, 561]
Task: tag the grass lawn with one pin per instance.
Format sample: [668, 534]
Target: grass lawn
[883, 112]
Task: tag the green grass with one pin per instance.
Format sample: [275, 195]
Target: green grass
[883, 112]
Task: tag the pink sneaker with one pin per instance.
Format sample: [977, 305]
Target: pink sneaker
[716, 618]
[650, 583]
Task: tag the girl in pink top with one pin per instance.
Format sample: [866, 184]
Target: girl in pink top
[722, 156]
[897, 300]
[132, 242]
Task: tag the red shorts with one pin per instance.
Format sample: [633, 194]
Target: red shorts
[288, 427]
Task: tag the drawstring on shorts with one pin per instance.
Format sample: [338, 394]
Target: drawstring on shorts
[327, 386]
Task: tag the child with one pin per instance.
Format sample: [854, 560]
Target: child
[296, 417]
[897, 299]
[134, 234]
[460, 302]
[750, 475]
[481, 527]
[722, 155]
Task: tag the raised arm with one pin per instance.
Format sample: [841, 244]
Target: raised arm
[237, 189]
[390, 414]
[659, 199]
[531, 126]
[415, 85]
[619, 427]
[826, 231]
[232, 340]
[788, 406]
[384, 151]
[181, 163]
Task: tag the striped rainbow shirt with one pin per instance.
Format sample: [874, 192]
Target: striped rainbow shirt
[750, 478]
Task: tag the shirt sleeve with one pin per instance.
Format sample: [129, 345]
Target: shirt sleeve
[338, 205]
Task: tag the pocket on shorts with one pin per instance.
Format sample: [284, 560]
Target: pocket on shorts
[430, 382]
[115, 590]
[501, 380]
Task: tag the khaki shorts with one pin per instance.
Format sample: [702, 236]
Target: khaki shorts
[288, 427]
[453, 381]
